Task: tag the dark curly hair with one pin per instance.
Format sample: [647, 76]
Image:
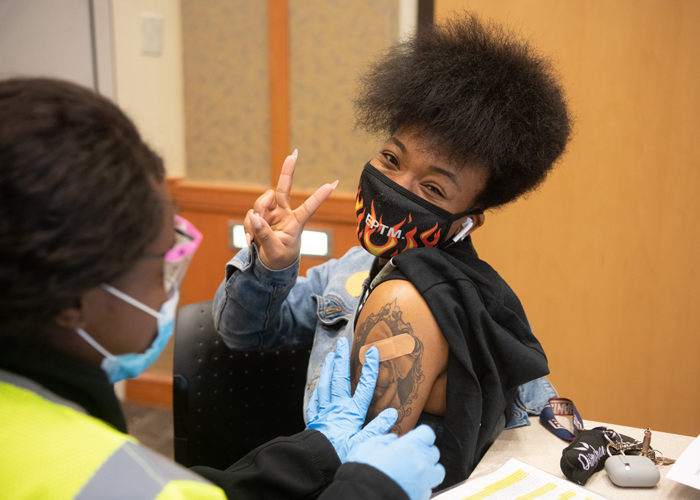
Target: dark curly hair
[78, 202]
[479, 95]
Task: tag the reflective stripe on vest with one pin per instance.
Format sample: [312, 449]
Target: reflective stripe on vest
[136, 473]
[52, 451]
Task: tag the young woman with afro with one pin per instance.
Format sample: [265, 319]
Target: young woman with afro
[473, 118]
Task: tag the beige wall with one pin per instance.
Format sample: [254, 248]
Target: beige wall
[605, 255]
[226, 62]
[46, 39]
[149, 88]
[227, 107]
[330, 45]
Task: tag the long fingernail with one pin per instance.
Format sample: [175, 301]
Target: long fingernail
[257, 223]
[334, 185]
[247, 238]
[295, 153]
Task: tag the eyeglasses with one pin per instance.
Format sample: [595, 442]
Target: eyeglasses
[177, 259]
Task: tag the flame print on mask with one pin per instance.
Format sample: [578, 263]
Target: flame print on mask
[389, 217]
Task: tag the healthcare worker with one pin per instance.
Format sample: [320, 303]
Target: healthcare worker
[91, 258]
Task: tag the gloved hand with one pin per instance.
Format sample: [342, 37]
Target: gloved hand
[337, 415]
[410, 460]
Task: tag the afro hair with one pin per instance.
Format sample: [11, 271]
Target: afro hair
[478, 94]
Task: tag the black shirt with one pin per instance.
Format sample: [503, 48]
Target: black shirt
[492, 348]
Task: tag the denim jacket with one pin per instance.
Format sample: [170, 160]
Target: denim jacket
[256, 308]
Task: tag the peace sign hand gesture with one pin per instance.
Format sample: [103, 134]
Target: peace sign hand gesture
[274, 226]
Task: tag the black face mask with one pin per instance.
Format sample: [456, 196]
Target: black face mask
[391, 219]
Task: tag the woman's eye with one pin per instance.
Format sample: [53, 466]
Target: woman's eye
[435, 191]
[391, 158]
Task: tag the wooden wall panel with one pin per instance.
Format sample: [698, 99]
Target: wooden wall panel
[154, 389]
[605, 255]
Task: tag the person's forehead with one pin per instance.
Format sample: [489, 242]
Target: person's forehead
[436, 161]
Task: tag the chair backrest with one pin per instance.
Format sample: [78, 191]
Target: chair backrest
[227, 403]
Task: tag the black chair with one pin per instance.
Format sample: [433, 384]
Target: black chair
[226, 403]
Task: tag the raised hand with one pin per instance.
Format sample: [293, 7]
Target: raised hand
[274, 226]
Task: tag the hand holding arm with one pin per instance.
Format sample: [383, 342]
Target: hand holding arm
[274, 226]
[340, 416]
[410, 460]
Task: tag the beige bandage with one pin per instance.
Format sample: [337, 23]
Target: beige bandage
[390, 348]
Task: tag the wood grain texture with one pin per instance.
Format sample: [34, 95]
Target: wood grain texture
[154, 389]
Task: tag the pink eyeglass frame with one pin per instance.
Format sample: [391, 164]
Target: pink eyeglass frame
[189, 248]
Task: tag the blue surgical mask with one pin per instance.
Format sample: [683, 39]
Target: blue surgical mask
[122, 366]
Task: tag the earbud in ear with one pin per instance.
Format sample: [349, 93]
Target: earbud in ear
[462, 233]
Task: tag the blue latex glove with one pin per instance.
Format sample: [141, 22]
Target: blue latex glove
[410, 460]
[340, 416]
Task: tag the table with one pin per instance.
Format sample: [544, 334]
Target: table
[538, 447]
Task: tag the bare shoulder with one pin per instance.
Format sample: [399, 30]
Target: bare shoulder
[397, 320]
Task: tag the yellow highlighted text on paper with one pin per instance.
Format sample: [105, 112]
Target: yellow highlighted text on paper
[507, 481]
[538, 492]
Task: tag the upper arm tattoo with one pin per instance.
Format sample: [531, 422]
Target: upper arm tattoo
[399, 378]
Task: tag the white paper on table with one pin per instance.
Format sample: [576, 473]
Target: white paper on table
[686, 470]
[518, 480]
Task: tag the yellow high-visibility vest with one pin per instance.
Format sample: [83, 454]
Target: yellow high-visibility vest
[50, 449]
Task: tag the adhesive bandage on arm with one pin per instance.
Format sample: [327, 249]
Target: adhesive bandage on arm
[390, 348]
